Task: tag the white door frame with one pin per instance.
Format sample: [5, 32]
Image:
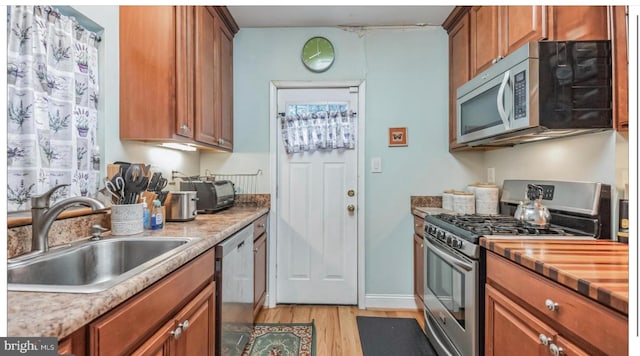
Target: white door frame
[273, 167]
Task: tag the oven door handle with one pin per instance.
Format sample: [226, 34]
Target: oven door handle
[447, 257]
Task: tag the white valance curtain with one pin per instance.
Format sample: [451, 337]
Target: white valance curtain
[322, 130]
[52, 101]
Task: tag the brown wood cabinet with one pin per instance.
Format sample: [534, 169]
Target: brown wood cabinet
[176, 75]
[191, 332]
[526, 311]
[459, 64]
[74, 344]
[418, 261]
[142, 323]
[259, 264]
[482, 35]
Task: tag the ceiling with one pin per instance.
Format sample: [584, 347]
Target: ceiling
[332, 16]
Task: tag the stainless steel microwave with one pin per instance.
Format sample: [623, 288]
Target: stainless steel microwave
[543, 90]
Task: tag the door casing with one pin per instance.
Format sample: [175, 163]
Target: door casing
[273, 167]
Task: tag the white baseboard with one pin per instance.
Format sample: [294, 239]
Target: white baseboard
[390, 301]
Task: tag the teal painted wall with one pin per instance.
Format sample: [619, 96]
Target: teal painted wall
[406, 77]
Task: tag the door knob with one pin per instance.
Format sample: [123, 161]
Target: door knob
[351, 192]
[351, 208]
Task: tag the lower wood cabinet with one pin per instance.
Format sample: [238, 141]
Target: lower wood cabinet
[528, 314]
[418, 261]
[259, 264]
[74, 344]
[175, 316]
[190, 332]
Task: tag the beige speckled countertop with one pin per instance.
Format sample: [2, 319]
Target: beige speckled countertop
[60, 314]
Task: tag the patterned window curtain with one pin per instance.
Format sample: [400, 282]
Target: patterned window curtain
[309, 130]
[52, 89]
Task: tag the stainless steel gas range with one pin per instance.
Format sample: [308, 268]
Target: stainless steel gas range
[455, 263]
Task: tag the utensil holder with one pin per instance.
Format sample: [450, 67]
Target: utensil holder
[126, 219]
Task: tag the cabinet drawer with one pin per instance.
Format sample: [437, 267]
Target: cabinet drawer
[418, 225]
[594, 323]
[259, 226]
[134, 320]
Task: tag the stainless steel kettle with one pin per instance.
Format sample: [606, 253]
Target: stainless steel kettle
[533, 213]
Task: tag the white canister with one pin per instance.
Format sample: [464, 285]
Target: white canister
[464, 203]
[447, 200]
[126, 219]
[487, 199]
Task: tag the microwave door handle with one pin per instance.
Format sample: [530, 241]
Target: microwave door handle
[500, 100]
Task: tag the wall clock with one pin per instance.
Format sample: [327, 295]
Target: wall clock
[318, 54]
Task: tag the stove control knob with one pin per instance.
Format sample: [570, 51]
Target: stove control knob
[440, 235]
[458, 244]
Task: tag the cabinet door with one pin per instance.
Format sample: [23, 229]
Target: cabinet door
[259, 273]
[459, 71]
[147, 72]
[511, 330]
[567, 348]
[485, 46]
[206, 96]
[225, 91]
[619, 26]
[74, 344]
[184, 117]
[578, 23]
[159, 344]
[521, 24]
[418, 270]
[197, 321]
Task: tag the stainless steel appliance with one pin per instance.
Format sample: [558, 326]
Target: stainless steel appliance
[234, 292]
[543, 90]
[182, 206]
[212, 195]
[455, 263]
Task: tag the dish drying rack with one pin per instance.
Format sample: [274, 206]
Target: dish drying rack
[245, 184]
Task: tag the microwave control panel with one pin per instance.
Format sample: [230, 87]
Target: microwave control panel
[520, 95]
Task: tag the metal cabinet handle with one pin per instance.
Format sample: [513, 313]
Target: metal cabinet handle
[421, 245]
[351, 207]
[184, 128]
[551, 305]
[556, 350]
[176, 333]
[184, 325]
[261, 226]
[544, 339]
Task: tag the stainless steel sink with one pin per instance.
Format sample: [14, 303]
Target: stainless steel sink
[92, 266]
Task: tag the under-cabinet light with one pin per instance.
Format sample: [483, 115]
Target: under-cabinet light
[179, 146]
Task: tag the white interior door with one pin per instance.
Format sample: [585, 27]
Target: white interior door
[316, 232]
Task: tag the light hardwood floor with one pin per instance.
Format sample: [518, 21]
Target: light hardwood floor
[336, 327]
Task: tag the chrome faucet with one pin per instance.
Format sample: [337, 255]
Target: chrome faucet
[42, 215]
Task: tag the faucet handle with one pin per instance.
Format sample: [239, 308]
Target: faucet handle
[96, 230]
[42, 201]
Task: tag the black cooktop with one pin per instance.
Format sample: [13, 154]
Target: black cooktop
[472, 227]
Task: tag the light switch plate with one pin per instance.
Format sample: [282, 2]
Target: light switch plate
[376, 165]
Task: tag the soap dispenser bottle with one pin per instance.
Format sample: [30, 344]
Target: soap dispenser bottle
[157, 216]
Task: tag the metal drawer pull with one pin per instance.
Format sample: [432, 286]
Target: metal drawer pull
[176, 333]
[544, 339]
[556, 350]
[551, 305]
[184, 325]
[262, 226]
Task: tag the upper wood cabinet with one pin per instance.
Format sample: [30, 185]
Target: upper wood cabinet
[497, 31]
[458, 27]
[485, 43]
[176, 75]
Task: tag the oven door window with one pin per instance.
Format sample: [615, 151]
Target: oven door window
[447, 284]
